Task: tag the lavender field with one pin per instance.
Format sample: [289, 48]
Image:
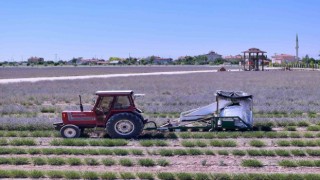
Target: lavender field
[27, 72]
[278, 95]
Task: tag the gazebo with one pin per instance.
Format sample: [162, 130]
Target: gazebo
[253, 57]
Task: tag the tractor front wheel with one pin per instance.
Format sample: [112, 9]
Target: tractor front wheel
[70, 131]
[124, 125]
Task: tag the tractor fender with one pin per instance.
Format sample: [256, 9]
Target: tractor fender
[140, 116]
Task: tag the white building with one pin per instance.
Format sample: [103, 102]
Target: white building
[283, 58]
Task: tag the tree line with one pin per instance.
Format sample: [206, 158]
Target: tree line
[185, 60]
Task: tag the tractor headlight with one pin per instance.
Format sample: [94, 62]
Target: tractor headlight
[64, 115]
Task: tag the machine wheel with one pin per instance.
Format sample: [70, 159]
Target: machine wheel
[70, 131]
[124, 125]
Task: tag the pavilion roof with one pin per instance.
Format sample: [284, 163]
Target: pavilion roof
[254, 50]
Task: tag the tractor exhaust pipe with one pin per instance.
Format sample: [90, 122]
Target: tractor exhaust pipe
[81, 107]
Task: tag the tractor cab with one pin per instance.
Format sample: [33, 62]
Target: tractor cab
[109, 103]
[113, 110]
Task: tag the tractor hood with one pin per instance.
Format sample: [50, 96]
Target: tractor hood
[70, 117]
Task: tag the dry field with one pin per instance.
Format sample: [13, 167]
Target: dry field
[289, 101]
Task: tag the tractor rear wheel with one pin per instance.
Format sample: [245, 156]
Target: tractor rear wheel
[70, 131]
[124, 125]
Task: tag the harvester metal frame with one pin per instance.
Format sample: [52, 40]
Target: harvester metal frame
[212, 125]
[209, 123]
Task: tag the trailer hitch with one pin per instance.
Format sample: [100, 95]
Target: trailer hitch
[151, 128]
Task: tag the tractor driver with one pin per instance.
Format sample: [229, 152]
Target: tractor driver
[122, 102]
[105, 104]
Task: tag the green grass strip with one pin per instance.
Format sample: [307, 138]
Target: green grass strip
[89, 142]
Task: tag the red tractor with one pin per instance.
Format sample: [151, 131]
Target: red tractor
[113, 110]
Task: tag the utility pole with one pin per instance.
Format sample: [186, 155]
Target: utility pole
[55, 57]
[129, 59]
[297, 48]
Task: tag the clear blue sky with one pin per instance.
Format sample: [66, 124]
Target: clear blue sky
[168, 28]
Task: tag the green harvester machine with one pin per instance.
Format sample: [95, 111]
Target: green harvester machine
[231, 111]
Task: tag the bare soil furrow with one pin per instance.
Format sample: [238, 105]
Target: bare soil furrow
[201, 160]
[176, 168]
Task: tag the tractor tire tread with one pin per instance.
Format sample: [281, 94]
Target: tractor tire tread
[78, 131]
[136, 120]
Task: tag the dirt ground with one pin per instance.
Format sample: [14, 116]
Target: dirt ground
[186, 163]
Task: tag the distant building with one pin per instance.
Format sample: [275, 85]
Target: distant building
[115, 62]
[102, 62]
[233, 59]
[212, 56]
[35, 60]
[162, 61]
[283, 58]
[92, 61]
[75, 61]
[81, 61]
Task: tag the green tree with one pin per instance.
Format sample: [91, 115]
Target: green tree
[114, 59]
[143, 61]
[50, 62]
[219, 61]
[189, 60]
[312, 64]
[74, 60]
[312, 60]
[201, 59]
[62, 62]
[306, 59]
[151, 60]
[130, 61]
